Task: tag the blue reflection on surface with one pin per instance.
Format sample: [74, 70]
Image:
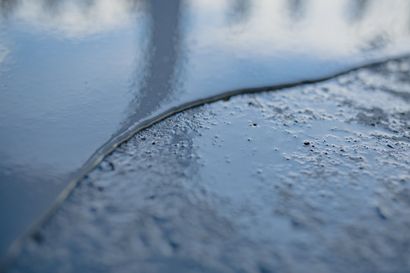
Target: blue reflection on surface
[75, 74]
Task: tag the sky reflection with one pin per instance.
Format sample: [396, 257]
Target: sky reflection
[71, 19]
[3, 53]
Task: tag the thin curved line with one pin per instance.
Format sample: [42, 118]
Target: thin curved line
[108, 147]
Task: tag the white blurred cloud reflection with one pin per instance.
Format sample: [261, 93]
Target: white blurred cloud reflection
[70, 19]
[338, 25]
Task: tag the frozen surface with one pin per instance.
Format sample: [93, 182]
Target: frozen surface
[308, 179]
[76, 74]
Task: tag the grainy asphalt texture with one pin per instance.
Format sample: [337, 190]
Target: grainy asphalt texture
[308, 179]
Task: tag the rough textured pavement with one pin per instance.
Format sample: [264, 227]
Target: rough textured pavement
[308, 179]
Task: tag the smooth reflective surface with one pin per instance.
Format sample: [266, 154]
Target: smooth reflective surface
[73, 74]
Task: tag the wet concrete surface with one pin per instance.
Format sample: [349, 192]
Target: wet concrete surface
[77, 76]
[314, 178]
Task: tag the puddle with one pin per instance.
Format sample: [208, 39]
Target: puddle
[77, 77]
